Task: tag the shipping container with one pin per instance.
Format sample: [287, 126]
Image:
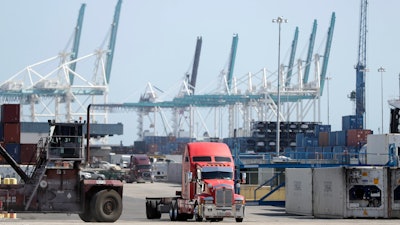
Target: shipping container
[310, 142]
[10, 113]
[299, 191]
[341, 138]
[328, 192]
[352, 122]
[327, 152]
[12, 132]
[14, 149]
[323, 139]
[394, 195]
[34, 137]
[332, 138]
[357, 137]
[382, 149]
[366, 192]
[28, 154]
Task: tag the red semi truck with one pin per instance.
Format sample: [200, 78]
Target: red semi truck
[208, 187]
[140, 169]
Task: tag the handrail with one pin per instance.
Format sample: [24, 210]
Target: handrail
[266, 182]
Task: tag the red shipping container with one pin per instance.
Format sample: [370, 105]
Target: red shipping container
[10, 113]
[28, 154]
[12, 132]
[357, 137]
[323, 139]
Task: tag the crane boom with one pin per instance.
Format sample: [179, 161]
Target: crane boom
[310, 52]
[195, 64]
[327, 51]
[292, 55]
[362, 60]
[77, 37]
[113, 39]
[232, 60]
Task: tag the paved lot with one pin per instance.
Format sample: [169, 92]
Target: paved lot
[134, 212]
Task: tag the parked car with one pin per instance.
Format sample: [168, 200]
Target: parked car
[96, 175]
[92, 175]
[105, 165]
[85, 175]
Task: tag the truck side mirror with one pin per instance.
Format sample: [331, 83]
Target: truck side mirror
[243, 178]
[198, 174]
[189, 176]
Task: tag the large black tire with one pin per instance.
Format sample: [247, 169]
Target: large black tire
[157, 214]
[149, 212]
[179, 216]
[106, 206]
[172, 212]
[87, 216]
[239, 220]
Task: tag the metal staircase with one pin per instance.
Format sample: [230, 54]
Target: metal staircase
[38, 172]
[271, 181]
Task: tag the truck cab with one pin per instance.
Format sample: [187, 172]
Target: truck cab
[140, 169]
[208, 184]
[208, 187]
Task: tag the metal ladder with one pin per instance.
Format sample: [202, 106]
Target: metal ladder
[37, 176]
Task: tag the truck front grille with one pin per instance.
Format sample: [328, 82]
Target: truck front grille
[223, 197]
[146, 174]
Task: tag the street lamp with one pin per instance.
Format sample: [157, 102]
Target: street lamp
[279, 21]
[327, 84]
[381, 70]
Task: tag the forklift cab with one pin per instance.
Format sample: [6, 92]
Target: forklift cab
[66, 141]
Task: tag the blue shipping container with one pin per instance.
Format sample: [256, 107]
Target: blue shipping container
[352, 122]
[14, 149]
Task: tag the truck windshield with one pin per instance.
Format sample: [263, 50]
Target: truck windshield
[143, 167]
[217, 175]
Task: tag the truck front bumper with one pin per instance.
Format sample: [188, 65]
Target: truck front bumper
[213, 211]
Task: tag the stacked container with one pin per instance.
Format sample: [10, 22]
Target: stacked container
[11, 130]
[10, 136]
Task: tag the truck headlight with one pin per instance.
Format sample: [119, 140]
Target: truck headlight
[208, 200]
[240, 201]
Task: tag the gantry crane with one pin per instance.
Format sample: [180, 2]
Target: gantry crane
[113, 40]
[75, 46]
[195, 67]
[362, 61]
[292, 56]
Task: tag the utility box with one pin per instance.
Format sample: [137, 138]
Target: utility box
[298, 186]
[383, 149]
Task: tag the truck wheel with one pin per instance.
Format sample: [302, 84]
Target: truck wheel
[173, 212]
[149, 211]
[157, 214]
[87, 216]
[239, 220]
[106, 206]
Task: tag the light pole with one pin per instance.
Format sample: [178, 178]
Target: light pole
[279, 21]
[327, 85]
[381, 70]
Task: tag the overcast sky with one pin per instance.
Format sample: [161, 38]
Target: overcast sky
[156, 41]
